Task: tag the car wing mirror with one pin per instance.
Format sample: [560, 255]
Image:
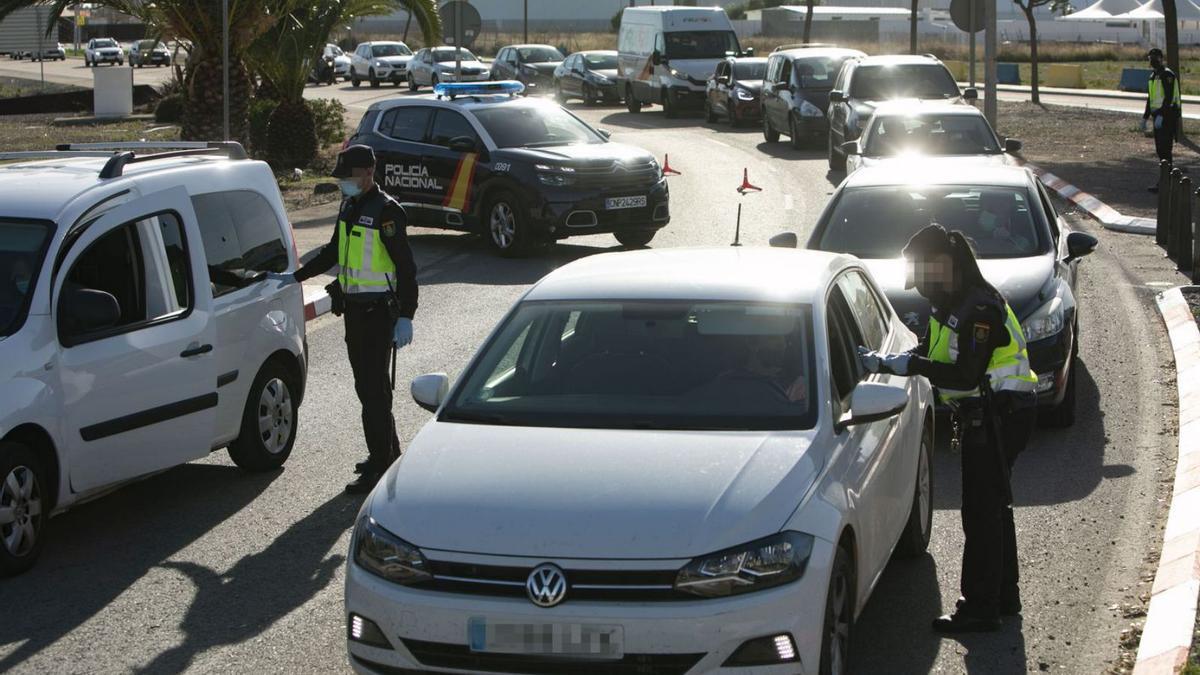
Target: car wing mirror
[1080, 244]
[785, 240]
[872, 402]
[1012, 145]
[463, 144]
[87, 310]
[429, 391]
[657, 58]
[781, 86]
[850, 148]
[837, 96]
[748, 52]
[970, 94]
[605, 133]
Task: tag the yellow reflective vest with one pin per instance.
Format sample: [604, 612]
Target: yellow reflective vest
[1009, 366]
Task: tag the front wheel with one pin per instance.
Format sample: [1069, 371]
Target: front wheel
[412, 83]
[769, 133]
[1062, 415]
[507, 232]
[269, 420]
[354, 81]
[915, 539]
[632, 104]
[839, 616]
[23, 508]
[374, 80]
[634, 238]
[669, 108]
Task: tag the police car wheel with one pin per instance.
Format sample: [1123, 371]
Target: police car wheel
[915, 538]
[634, 238]
[269, 420]
[24, 508]
[839, 616]
[505, 232]
[769, 133]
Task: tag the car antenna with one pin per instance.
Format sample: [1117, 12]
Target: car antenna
[742, 189]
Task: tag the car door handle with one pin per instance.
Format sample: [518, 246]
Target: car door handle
[195, 351]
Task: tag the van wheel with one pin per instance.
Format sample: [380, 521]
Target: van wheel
[837, 161]
[268, 422]
[669, 108]
[506, 231]
[915, 539]
[632, 104]
[839, 616]
[794, 131]
[23, 508]
[769, 133]
[634, 238]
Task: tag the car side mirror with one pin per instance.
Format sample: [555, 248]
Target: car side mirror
[429, 391]
[1012, 145]
[657, 58]
[850, 148]
[723, 79]
[87, 310]
[785, 240]
[970, 94]
[1080, 244]
[605, 133]
[837, 96]
[463, 144]
[872, 402]
[781, 86]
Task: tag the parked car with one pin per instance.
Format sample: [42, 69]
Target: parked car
[1025, 249]
[439, 64]
[149, 52]
[667, 458]
[341, 61]
[734, 90]
[531, 65]
[901, 131]
[103, 50]
[589, 76]
[795, 92]
[52, 52]
[138, 329]
[378, 62]
[865, 82]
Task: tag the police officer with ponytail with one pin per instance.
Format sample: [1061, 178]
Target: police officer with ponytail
[974, 354]
[376, 291]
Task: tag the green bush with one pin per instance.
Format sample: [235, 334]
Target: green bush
[260, 117]
[329, 118]
[169, 109]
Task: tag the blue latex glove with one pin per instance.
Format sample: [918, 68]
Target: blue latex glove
[284, 277]
[897, 364]
[402, 334]
[1158, 122]
[1145, 125]
[871, 361]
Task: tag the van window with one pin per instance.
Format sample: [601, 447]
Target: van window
[700, 44]
[242, 238]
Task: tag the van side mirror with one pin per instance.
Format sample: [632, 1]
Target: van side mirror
[872, 402]
[1012, 145]
[657, 58]
[748, 52]
[1080, 244]
[970, 94]
[86, 310]
[785, 240]
[463, 144]
[429, 391]
[850, 148]
[837, 96]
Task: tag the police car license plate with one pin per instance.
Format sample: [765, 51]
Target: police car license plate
[579, 640]
[625, 202]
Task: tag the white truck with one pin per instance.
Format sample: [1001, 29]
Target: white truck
[23, 33]
[666, 54]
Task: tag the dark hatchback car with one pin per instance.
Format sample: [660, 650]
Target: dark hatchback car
[796, 92]
[733, 90]
[590, 76]
[522, 172]
[531, 65]
[1024, 249]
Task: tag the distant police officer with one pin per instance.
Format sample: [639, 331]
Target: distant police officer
[974, 354]
[1162, 106]
[377, 282]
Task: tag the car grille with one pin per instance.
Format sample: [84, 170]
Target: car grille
[442, 655]
[601, 585]
[616, 176]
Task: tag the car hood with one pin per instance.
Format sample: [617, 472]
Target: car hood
[580, 154]
[754, 86]
[555, 493]
[994, 159]
[392, 60]
[340, 60]
[1022, 282]
[697, 70]
[449, 65]
[608, 73]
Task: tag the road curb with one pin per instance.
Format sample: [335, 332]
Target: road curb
[1109, 217]
[316, 302]
[1171, 619]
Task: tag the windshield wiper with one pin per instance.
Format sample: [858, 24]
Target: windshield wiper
[480, 418]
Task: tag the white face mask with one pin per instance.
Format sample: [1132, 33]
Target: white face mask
[349, 187]
[22, 285]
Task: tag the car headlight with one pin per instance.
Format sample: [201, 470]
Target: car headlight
[380, 64]
[809, 110]
[743, 94]
[760, 564]
[598, 79]
[555, 176]
[1047, 321]
[385, 555]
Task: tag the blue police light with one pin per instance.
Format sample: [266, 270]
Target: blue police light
[453, 89]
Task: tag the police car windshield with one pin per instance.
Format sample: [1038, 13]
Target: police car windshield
[22, 247]
[390, 49]
[645, 365]
[877, 83]
[876, 222]
[931, 135]
[701, 44]
[529, 127]
[601, 61]
[443, 55]
[750, 71]
[539, 54]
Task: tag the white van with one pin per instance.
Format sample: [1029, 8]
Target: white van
[666, 54]
[139, 328]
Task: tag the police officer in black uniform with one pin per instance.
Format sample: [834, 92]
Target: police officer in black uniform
[974, 354]
[376, 290]
[1162, 106]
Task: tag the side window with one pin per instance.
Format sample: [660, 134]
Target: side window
[843, 77]
[242, 238]
[406, 123]
[843, 348]
[785, 73]
[866, 308]
[449, 124]
[1048, 207]
[772, 68]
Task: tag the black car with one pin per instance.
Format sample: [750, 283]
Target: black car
[590, 76]
[796, 91]
[733, 90]
[1024, 249]
[520, 171]
[531, 65]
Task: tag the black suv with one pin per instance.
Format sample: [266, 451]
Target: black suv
[531, 65]
[864, 82]
[520, 171]
[796, 91]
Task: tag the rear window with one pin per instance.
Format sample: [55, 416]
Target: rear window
[817, 72]
[242, 238]
[917, 80]
[405, 123]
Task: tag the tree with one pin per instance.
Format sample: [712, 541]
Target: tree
[912, 28]
[1170, 18]
[1028, 7]
[808, 21]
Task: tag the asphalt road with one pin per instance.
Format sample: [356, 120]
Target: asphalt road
[206, 568]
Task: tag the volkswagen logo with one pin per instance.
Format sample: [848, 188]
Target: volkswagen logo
[546, 586]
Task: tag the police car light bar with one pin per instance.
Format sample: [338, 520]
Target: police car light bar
[454, 89]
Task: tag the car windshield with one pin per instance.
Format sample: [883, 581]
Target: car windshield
[390, 49]
[817, 72]
[22, 247]
[931, 135]
[701, 44]
[443, 55]
[917, 80]
[105, 43]
[876, 222]
[539, 54]
[528, 126]
[755, 70]
[335, 50]
[601, 61]
[644, 365]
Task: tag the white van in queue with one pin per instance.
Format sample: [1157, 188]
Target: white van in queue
[138, 327]
[666, 54]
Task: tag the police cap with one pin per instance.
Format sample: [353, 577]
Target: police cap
[353, 157]
[1154, 52]
[931, 240]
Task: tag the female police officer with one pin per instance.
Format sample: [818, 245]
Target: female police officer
[974, 354]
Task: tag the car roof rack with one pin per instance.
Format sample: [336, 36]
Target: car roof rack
[115, 166]
[810, 45]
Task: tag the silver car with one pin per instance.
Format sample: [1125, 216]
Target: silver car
[438, 64]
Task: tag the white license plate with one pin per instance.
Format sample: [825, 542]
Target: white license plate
[579, 640]
[625, 202]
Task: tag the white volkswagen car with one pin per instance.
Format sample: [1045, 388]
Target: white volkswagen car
[660, 461]
[900, 132]
[440, 64]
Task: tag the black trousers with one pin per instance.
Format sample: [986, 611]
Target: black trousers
[369, 346]
[1164, 138]
[989, 565]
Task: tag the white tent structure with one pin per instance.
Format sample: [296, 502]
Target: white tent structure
[1185, 10]
[1105, 10]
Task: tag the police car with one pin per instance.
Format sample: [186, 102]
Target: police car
[521, 171]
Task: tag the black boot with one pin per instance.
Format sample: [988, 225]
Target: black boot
[364, 483]
[362, 466]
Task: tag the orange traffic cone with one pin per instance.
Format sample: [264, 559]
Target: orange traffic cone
[666, 167]
[746, 186]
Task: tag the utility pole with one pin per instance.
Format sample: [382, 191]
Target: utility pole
[225, 67]
[526, 21]
[458, 38]
[971, 44]
[989, 63]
